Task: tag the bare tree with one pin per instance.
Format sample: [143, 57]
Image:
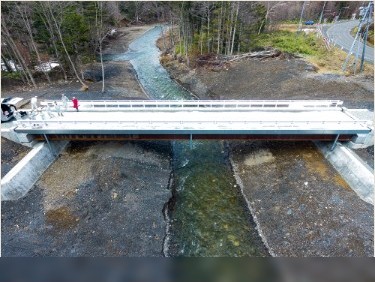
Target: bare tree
[271, 7]
[101, 34]
[219, 30]
[234, 27]
[58, 30]
[24, 12]
[6, 35]
[114, 10]
[47, 22]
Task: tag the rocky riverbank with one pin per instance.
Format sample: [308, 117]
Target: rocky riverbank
[96, 199]
[300, 203]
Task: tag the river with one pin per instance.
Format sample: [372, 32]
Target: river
[207, 214]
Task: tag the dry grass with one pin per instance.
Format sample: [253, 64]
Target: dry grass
[333, 61]
[287, 27]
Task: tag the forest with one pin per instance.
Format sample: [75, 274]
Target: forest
[39, 35]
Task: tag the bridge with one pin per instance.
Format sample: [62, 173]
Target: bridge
[198, 119]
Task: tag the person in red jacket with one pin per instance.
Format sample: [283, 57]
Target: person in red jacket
[75, 103]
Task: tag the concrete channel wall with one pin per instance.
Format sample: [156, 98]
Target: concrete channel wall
[21, 178]
[355, 171]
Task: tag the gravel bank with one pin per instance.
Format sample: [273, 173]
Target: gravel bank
[101, 199]
[97, 199]
[11, 154]
[301, 204]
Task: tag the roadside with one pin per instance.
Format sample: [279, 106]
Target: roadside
[97, 198]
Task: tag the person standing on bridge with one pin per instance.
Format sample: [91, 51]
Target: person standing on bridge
[43, 116]
[34, 103]
[75, 103]
[64, 101]
[58, 109]
[49, 112]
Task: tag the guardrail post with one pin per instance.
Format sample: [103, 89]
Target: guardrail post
[49, 145]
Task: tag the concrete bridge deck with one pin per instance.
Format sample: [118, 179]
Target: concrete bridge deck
[195, 122]
[200, 117]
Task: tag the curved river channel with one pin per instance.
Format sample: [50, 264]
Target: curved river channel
[207, 215]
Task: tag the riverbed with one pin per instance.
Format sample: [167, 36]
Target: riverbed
[218, 198]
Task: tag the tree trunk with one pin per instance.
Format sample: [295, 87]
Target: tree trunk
[239, 39]
[49, 27]
[7, 66]
[201, 38]
[101, 38]
[208, 31]
[63, 44]
[101, 62]
[265, 18]
[13, 46]
[28, 28]
[229, 30]
[219, 29]
[171, 33]
[234, 29]
[13, 57]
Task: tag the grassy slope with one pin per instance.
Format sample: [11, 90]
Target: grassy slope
[309, 46]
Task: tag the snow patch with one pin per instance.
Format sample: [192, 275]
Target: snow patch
[259, 157]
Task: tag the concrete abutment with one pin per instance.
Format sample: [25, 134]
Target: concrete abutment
[22, 177]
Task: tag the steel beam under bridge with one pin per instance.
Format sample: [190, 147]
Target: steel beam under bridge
[168, 137]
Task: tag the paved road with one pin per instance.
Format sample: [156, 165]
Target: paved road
[340, 34]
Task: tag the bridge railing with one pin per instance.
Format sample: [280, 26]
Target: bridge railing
[186, 105]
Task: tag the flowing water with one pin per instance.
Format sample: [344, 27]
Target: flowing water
[208, 215]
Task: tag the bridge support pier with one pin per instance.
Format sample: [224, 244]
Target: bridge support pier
[49, 145]
[191, 141]
[335, 142]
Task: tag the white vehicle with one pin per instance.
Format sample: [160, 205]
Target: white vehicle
[8, 107]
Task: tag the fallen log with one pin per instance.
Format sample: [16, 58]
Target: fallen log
[260, 55]
[220, 61]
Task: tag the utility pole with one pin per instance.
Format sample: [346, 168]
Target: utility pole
[369, 20]
[365, 17]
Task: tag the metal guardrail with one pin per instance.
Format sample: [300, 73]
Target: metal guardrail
[279, 105]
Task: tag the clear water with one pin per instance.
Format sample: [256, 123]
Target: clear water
[209, 216]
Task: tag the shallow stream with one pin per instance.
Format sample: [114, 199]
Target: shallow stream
[207, 214]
